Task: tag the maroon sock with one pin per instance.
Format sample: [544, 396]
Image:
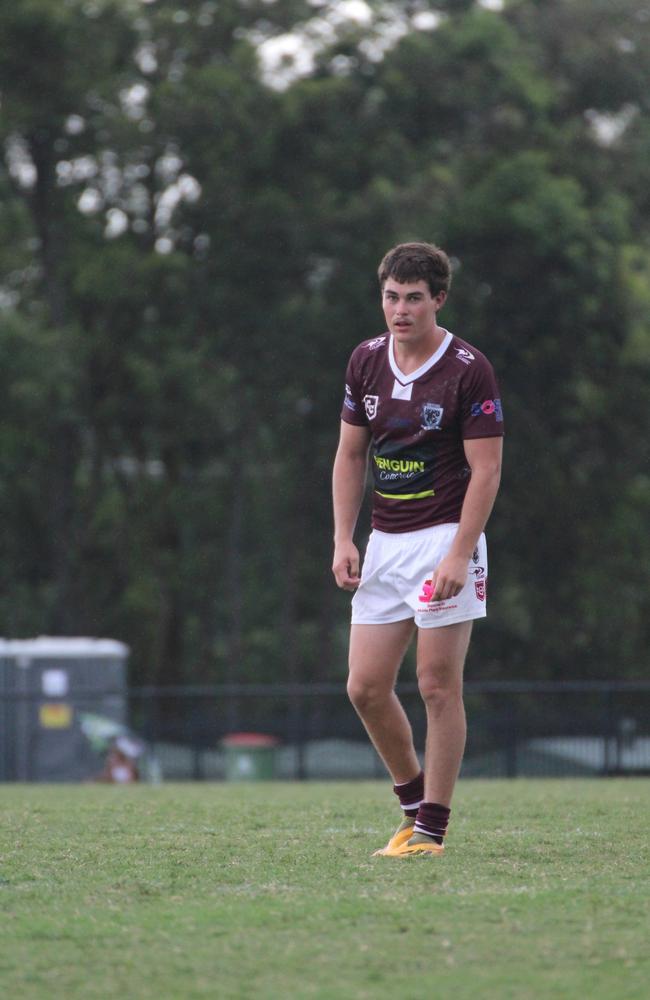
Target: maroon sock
[411, 794]
[432, 819]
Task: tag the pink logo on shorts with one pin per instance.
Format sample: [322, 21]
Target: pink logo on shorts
[427, 592]
[479, 586]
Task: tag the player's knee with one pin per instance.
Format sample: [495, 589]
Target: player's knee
[438, 690]
[365, 693]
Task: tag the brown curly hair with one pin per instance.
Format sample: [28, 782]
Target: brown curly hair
[408, 262]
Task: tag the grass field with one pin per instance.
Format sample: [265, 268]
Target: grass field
[269, 891]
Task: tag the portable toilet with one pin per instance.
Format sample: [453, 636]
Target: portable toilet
[48, 686]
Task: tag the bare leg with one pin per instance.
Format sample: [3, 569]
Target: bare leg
[376, 652]
[440, 660]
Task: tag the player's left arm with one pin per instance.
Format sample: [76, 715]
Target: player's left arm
[484, 459]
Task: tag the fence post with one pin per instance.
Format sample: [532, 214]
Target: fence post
[198, 773]
[609, 734]
[297, 732]
[511, 736]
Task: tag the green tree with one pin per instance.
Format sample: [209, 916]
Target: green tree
[187, 248]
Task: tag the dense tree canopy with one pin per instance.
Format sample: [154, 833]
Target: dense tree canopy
[194, 199]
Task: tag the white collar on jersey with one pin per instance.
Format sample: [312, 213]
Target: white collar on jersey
[423, 369]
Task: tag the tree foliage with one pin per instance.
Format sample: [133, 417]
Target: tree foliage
[189, 229]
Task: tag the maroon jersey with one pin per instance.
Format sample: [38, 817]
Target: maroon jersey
[418, 423]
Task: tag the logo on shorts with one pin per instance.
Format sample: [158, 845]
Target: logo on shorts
[426, 597]
[479, 587]
[437, 607]
[431, 416]
[478, 572]
[371, 403]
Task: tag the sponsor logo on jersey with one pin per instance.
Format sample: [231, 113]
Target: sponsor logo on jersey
[348, 401]
[372, 345]
[464, 355]
[431, 417]
[488, 407]
[407, 466]
[371, 404]
[479, 587]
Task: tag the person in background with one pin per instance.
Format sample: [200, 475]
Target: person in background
[121, 766]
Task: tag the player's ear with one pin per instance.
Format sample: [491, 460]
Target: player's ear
[440, 299]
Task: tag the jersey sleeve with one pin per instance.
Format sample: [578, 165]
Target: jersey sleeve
[480, 403]
[353, 410]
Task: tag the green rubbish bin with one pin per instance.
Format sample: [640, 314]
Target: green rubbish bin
[249, 756]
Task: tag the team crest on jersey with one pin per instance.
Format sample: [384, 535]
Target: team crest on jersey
[464, 355]
[371, 403]
[431, 416]
[372, 345]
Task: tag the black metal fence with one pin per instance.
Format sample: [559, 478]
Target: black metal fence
[514, 729]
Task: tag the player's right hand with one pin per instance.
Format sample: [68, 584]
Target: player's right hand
[346, 566]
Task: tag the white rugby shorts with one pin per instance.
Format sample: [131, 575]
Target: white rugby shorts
[396, 577]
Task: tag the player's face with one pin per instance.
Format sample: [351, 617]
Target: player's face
[410, 310]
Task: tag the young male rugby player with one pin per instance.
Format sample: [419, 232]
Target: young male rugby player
[426, 406]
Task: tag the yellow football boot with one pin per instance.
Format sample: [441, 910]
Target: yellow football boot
[418, 844]
[402, 834]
